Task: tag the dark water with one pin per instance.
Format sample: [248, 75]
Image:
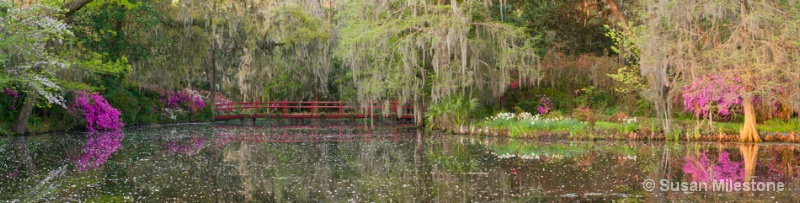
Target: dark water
[349, 163]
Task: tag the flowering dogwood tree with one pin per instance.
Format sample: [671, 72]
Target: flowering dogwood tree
[27, 36]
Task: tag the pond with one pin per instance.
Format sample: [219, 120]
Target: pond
[352, 163]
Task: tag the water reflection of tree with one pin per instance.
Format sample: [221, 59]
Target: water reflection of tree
[739, 163]
[429, 168]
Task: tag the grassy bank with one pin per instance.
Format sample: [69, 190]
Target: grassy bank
[556, 126]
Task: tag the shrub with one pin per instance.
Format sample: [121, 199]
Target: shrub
[451, 112]
[98, 113]
[544, 105]
[584, 114]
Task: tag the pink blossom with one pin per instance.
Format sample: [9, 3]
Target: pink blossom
[98, 113]
[13, 94]
[703, 93]
[10, 92]
[544, 105]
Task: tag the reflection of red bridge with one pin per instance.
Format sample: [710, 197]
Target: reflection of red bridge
[310, 109]
[313, 133]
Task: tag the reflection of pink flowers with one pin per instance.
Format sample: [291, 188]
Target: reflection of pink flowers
[700, 168]
[98, 148]
[191, 148]
[727, 169]
[514, 85]
[697, 167]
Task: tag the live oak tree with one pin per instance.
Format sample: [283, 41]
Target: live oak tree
[424, 51]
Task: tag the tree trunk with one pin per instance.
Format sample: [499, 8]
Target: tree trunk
[749, 132]
[22, 121]
[213, 69]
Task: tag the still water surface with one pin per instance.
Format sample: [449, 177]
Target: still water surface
[351, 163]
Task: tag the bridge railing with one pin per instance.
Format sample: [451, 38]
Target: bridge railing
[311, 109]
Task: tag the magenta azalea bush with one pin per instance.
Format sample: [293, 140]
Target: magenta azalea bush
[98, 113]
[186, 99]
[98, 148]
[544, 105]
[14, 95]
[707, 91]
[10, 92]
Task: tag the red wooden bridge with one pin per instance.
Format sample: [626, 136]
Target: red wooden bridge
[310, 110]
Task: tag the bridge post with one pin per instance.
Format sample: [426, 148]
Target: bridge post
[313, 105]
[284, 109]
[394, 109]
[340, 108]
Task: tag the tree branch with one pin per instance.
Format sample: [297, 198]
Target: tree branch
[74, 6]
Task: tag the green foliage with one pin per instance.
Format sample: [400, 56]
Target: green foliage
[674, 134]
[450, 113]
[527, 125]
[585, 96]
[624, 128]
[561, 23]
[622, 39]
[97, 65]
[631, 80]
[432, 51]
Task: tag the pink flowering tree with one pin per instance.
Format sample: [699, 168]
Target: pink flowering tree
[98, 113]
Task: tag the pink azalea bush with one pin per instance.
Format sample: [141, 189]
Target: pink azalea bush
[704, 92]
[98, 148]
[544, 105]
[13, 94]
[98, 113]
[10, 92]
[187, 99]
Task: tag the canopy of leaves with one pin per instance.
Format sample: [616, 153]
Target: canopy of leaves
[421, 50]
